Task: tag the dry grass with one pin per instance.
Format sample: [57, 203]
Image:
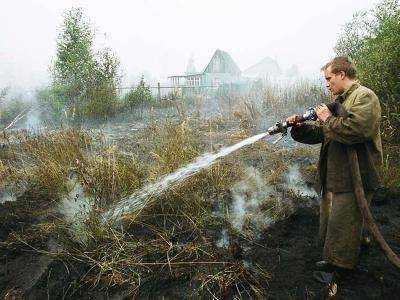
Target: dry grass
[391, 166]
[174, 238]
[283, 100]
[38, 166]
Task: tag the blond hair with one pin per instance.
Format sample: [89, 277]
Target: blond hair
[342, 64]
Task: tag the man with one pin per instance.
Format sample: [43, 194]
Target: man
[340, 219]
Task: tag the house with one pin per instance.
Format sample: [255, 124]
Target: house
[266, 68]
[220, 70]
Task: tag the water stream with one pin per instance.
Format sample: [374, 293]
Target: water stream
[134, 203]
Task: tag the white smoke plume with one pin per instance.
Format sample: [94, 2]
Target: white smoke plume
[248, 195]
[295, 182]
[76, 208]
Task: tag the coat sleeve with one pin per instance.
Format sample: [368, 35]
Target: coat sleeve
[308, 133]
[360, 124]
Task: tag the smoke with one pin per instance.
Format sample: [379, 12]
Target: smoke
[32, 121]
[223, 241]
[256, 205]
[248, 195]
[295, 183]
[76, 208]
[113, 132]
[7, 196]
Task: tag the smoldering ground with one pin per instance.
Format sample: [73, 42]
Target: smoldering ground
[72, 178]
[201, 235]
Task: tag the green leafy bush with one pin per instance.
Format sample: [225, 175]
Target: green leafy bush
[139, 95]
[372, 40]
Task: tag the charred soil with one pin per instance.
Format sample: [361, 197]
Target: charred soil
[288, 250]
[294, 249]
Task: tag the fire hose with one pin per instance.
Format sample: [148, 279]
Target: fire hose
[364, 208]
[338, 110]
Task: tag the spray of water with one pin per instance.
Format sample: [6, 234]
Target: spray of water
[144, 197]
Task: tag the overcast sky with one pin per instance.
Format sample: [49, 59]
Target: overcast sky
[159, 36]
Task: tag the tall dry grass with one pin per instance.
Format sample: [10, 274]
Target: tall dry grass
[175, 238]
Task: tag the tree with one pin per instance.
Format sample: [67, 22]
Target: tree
[372, 40]
[84, 82]
[102, 94]
[74, 63]
[139, 95]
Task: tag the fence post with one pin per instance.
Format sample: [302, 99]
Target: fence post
[158, 91]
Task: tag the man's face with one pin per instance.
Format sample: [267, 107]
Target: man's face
[334, 82]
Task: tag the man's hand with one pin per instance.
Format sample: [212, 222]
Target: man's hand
[293, 120]
[323, 112]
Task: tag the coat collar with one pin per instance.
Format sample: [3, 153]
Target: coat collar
[347, 92]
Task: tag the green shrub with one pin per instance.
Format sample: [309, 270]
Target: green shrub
[139, 95]
[372, 40]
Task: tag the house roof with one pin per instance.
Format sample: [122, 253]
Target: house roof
[222, 62]
[266, 67]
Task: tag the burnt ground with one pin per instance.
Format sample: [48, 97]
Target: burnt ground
[294, 248]
[290, 249]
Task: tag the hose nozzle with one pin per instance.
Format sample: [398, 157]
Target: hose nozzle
[281, 127]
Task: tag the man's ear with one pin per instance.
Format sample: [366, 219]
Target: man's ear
[342, 75]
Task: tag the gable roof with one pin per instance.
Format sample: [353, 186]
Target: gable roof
[266, 67]
[222, 62]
